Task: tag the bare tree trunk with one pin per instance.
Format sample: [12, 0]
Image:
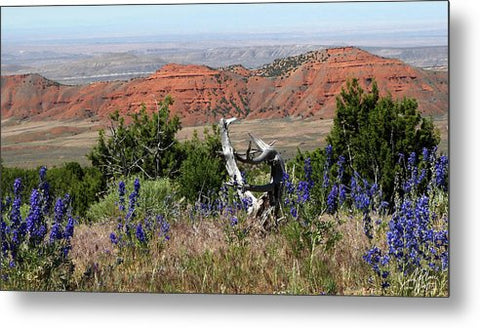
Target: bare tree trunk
[232, 168]
[273, 191]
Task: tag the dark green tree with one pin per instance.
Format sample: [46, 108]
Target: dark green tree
[202, 172]
[147, 145]
[371, 132]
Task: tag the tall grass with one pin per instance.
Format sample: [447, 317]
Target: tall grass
[333, 239]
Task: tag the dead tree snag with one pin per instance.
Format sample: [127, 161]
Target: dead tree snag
[262, 153]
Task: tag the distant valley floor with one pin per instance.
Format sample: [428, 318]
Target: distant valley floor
[51, 143]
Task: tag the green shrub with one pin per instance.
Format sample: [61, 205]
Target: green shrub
[370, 131]
[203, 171]
[83, 184]
[147, 146]
[157, 197]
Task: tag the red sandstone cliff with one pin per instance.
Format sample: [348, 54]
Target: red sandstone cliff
[304, 86]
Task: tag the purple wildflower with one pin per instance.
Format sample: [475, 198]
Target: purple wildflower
[69, 228]
[43, 173]
[140, 234]
[59, 210]
[441, 171]
[113, 238]
[121, 194]
[56, 233]
[332, 203]
[293, 212]
[303, 192]
[17, 187]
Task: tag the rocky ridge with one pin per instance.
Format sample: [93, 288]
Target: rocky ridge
[302, 86]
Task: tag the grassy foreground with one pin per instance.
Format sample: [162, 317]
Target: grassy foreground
[338, 241]
[205, 257]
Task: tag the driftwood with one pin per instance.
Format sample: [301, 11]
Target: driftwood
[262, 152]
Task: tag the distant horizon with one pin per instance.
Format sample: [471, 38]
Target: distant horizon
[367, 24]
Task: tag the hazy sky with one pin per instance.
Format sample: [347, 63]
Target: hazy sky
[367, 20]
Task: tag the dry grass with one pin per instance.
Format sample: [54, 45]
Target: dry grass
[199, 258]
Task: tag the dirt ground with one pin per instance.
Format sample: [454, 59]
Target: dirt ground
[30, 144]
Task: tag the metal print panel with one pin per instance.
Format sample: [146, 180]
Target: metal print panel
[266, 148]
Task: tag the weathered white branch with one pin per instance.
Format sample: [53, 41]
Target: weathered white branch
[269, 155]
[232, 168]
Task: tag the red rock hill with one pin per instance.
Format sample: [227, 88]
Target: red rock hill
[304, 85]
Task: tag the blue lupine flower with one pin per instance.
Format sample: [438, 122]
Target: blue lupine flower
[140, 234]
[40, 233]
[233, 221]
[136, 185]
[290, 188]
[308, 172]
[34, 218]
[66, 199]
[56, 233]
[66, 250]
[133, 199]
[425, 154]
[332, 200]
[303, 192]
[411, 238]
[3, 239]
[247, 202]
[244, 176]
[15, 238]
[407, 186]
[15, 215]
[441, 167]
[59, 210]
[383, 206]
[43, 173]
[362, 202]
[373, 190]
[385, 284]
[164, 227]
[328, 153]
[326, 179]
[444, 259]
[69, 228]
[421, 177]
[17, 187]
[375, 259]
[412, 159]
[293, 212]
[113, 238]
[433, 155]
[385, 260]
[121, 194]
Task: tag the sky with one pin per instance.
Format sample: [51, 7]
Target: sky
[367, 20]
